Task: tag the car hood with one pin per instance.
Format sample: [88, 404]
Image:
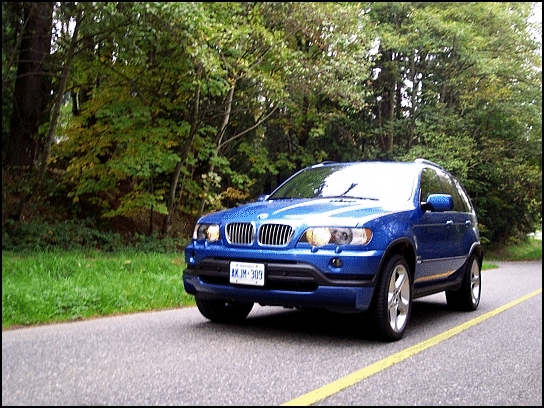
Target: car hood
[332, 212]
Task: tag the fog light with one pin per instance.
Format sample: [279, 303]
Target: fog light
[337, 262]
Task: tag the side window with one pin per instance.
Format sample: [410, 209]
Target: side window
[449, 187]
[467, 204]
[430, 184]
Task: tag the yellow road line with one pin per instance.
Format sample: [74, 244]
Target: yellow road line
[351, 379]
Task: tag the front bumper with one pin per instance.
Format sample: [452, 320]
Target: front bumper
[290, 284]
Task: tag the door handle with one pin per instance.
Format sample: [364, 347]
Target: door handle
[449, 223]
[468, 223]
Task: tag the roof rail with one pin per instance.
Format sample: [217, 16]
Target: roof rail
[425, 161]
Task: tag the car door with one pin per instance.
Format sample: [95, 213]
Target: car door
[463, 220]
[432, 234]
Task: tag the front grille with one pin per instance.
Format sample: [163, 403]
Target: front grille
[240, 233]
[243, 233]
[275, 234]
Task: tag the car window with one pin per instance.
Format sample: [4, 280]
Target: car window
[435, 181]
[430, 184]
[449, 187]
[467, 204]
[373, 181]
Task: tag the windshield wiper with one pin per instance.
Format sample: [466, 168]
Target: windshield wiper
[353, 197]
[350, 188]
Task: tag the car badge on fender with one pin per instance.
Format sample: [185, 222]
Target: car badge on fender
[262, 216]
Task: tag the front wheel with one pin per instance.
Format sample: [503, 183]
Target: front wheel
[468, 296]
[223, 311]
[390, 311]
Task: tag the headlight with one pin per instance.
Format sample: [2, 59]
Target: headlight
[318, 236]
[209, 232]
[340, 236]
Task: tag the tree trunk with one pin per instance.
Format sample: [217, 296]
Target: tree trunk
[36, 177]
[167, 220]
[32, 92]
[219, 138]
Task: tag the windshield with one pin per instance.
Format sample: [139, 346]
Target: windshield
[370, 180]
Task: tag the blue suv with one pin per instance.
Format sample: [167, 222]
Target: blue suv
[347, 237]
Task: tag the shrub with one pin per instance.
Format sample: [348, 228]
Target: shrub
[80, 235]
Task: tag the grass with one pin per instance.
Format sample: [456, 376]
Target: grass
[531, 250]
[50, 287]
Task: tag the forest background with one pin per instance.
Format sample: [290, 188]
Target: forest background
[124, 122]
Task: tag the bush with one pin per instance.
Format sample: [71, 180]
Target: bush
[78, 235]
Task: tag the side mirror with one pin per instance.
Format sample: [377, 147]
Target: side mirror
[439, 203]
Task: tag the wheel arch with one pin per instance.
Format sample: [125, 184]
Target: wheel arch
[478, 250]
[405, 248]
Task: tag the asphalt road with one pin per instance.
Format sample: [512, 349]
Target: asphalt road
[492, 356]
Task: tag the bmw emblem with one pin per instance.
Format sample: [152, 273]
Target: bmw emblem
[262, 216]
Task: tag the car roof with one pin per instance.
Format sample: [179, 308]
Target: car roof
[419, 162]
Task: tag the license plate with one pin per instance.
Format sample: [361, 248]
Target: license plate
[245, 273]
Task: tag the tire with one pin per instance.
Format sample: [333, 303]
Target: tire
[223, 311]
[467, 298]
[392, 305]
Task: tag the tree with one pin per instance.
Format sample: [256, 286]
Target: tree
[455, 77]
[191, 107]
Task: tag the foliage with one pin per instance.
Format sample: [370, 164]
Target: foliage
[79, 235]
[193, 107]
[464, 72]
